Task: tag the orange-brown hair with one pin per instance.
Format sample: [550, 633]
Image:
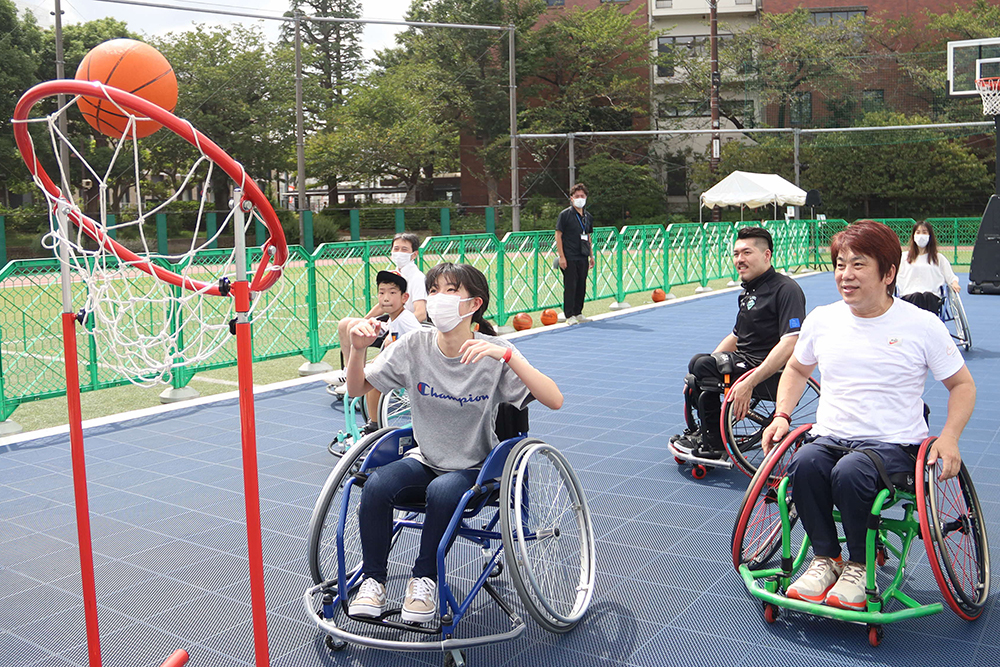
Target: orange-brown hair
[871, 239]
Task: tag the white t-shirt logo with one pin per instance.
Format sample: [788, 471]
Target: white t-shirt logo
[895, 340]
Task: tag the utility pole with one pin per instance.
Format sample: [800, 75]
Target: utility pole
[300, 134]
[61, 101]
[515, 185]
[713, 161]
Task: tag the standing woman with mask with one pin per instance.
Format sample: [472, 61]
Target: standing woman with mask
[456, 379]
[573, 232]
[923, 270]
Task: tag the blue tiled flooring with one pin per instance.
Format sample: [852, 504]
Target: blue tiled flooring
[170, 553]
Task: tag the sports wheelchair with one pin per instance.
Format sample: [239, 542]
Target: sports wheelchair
[769, 547]
[524, 524]
[740, 437]
[952, 313]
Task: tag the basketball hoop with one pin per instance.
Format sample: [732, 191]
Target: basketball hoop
[989, 90]
[148, 309]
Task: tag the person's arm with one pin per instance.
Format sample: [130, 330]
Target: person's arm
[949, 274]
[727, 344]
[541, 386]
[420, 310]
[790, 388]
[779, 355]
[961, 400]
[363, 334]
[559, 249]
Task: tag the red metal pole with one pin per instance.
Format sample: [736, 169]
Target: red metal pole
[251, 490]
[176, 659]
[80, 488]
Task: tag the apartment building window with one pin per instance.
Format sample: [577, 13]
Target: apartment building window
[698, 45]
[676, 179]
[682, 109]
[664, 4]
[744, 2]
[872, 100]
[833, 18]
[801, 108]
[555, 3]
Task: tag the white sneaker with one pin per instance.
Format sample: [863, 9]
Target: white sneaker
[816, 581]
[849, 591]
[369, 600]
[572, 320]
[582, 318]
[340, 390]
[337, 378]
[420, 604]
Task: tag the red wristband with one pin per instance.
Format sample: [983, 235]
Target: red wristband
[784, 415]
[507, 355]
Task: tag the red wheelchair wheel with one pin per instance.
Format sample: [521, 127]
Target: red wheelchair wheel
[954, 534]
[757, 532]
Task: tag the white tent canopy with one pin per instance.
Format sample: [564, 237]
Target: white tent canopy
[744, 188]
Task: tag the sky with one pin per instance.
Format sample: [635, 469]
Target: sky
[155, 21]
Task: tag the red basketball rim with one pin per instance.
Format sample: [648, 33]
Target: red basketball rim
[262, 279]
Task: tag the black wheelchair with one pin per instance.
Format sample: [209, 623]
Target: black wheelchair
[524, 525]
[740, 437]
[770, 547]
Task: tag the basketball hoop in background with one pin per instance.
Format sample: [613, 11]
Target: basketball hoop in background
[989, 90]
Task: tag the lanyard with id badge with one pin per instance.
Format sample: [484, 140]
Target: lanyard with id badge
[584, 236]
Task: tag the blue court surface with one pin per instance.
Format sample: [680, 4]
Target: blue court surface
[170, 550]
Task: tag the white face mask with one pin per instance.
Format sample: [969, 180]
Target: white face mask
[443, 310]
[921, 240]
[401, 259]
[580, 202]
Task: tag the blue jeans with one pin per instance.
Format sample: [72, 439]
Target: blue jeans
[824, 477]
[408, 481]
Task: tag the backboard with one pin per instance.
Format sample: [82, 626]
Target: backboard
[970, 59]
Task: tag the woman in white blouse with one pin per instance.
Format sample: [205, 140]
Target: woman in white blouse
[923, 270]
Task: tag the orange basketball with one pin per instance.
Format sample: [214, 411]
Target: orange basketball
[659, 295]
[522, 321]
[549, 316]
[131, 66]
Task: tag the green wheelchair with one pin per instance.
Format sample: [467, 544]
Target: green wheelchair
[770, 547]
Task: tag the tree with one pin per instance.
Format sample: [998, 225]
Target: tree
[768, 155]
[395, 124]
[619, 191]
[237, 88]
[335, 47]
[791, 55]
[19, 53]
[877, 174]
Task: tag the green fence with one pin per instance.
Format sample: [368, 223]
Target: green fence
[338, 280]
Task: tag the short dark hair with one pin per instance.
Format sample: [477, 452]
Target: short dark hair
[474, 282]
[392, 278]
[871, 239]
[578, 186]
[410, 238]
[756, 233]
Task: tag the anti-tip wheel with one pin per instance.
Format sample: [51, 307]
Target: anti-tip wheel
[699, 471]
[335, 644]
[771, 612]
[875, 634]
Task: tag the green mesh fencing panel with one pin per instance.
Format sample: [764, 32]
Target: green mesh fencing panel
[716, 248]
[480, 250]
[531, 281]
[345, 283]
[683, 264]
[642, 258]
[604, 277]
[792, 248]
[956, 237]
[902, 227]
[281, 321]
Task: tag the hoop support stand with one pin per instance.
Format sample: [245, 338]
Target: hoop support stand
[251, 488]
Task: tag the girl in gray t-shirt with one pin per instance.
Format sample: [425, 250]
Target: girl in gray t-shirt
[456, 379]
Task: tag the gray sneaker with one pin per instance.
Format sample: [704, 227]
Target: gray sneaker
[369, 600]
[573, 319]
[849, 591]
[816, 581]
[420, 604]
[583, 318]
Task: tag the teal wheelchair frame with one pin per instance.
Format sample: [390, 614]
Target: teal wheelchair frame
[945, 515]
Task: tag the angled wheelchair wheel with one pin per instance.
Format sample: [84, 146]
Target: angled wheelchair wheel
[757, 531]
[394, 409]
[958, 322]
[548, 538]
[322, 546]
[954, 533]
[742, 437]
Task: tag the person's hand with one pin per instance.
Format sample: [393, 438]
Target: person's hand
[955, 286]
[563, 263]
[946, 449]
[739, 395]
[473, 350]
[364, 333]
[773, 434]
[591, 261]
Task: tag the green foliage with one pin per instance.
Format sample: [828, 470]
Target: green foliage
[620, 192]
[19, 52]
[769, 155]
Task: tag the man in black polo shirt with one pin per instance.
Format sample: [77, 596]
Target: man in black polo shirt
[573, 232]
[772, 308]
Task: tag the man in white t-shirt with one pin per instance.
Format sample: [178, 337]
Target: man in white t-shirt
[873, 352]
[403, 254]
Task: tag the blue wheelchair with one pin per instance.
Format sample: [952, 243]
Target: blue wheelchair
[524, 525]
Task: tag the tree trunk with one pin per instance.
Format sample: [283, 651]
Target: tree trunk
[425, 189]
[333, 192]
[492, 191]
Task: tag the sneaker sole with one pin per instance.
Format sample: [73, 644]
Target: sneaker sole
[834, 601]
[366, 610]
[820, 599]
[409, 616]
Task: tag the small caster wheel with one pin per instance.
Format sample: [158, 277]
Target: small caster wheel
[335, 644]
[679, 460]
[771, 613]
[875, 634]
[497, 569]
[699, 471]
[881, 557]
[454, 659]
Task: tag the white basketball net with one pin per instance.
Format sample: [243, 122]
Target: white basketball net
[989, 90]
[145, 327]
